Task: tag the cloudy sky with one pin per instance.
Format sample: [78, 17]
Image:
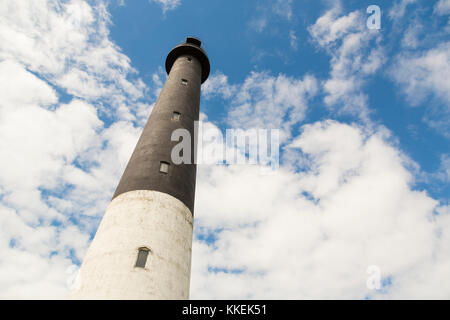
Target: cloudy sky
[363, 183]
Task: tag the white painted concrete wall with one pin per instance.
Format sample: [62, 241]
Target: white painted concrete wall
[137, 219]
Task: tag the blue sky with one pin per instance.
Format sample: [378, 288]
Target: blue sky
[364, 173]
[236, 48]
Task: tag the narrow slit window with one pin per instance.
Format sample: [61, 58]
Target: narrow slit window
[189, 59]
[184, 82]
[176, 116]
[164, 167]
[142, 257]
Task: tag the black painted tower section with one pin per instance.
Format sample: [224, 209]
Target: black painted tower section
[186, 62]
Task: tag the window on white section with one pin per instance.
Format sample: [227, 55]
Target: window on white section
[189, 59]
[184, 82]
[142, 257]
[176, 116]
[164, 167]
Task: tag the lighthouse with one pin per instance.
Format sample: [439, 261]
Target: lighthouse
[142, 248]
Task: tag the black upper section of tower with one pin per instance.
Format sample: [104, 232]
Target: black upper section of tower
[192, 46]
[151, 166]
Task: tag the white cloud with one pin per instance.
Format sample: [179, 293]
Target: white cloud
[217, 85]
[313, 233]
[37, 144]
[329, 27]
[268, 10]
[167, 5]
[421, 77]
[443, 173]
[305, 233]
[38, 141]
[293, 40]
[60, 162]
[355, 54]
[399, 8]
[15, 80]
[67, 44]
[283, 8]
[259, 23]
[92, 189]
[29, 270]
[445, 167]
[269, 102]
[442, 7]
[419, 68]
[263, 101]
[424, 74]
[411, 35]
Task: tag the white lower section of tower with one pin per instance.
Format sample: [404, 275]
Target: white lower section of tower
[134, 220]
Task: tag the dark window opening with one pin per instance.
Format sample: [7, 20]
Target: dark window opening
[164, 167]
[176, 116]
[184, 82]
[189, 59]
[142, 257]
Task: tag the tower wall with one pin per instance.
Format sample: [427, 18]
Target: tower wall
[155, 145]
[136, 219]
[152, 211]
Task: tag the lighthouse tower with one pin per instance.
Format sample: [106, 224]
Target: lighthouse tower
[142, 248]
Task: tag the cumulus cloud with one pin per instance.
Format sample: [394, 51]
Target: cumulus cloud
[442, 7]
[272, 102]
[423, 74]
[399, 8]
[421, 78]
[293, 40]
[218, 85]
[67, 44]
[443, 173]
[355, 54]
[61, 81]
[313, 233]
[263, 100]
[411, 36]
[329, 27]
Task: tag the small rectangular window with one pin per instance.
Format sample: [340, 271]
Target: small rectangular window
[184, 82]
[142, 258]
[176, 116]
[189, 59]
[164, 167]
